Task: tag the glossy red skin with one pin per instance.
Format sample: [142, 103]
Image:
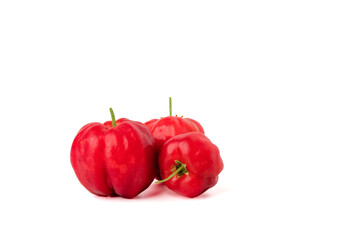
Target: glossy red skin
[168, 127]
[202, 159]
[165, 128]
[111, 161]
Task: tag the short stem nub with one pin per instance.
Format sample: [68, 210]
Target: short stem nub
[112, 117]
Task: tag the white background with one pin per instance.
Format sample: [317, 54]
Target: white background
[275, 85]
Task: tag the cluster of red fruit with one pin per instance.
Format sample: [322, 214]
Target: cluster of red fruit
[122, 157]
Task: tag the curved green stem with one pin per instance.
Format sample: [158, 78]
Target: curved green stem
[170, 106]
[112, 117]
[173, 174]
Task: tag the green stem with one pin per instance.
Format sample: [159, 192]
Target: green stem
[173, 174]
[170, 106]
[112, 117]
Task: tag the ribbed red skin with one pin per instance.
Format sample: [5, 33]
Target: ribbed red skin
[202, 159]
[111, 161]
[165, 128]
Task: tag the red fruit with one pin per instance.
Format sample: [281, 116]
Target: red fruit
[168, 127]
[114, 158]
[190, 164]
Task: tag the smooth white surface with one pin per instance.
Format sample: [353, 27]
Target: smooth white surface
[275, 85]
